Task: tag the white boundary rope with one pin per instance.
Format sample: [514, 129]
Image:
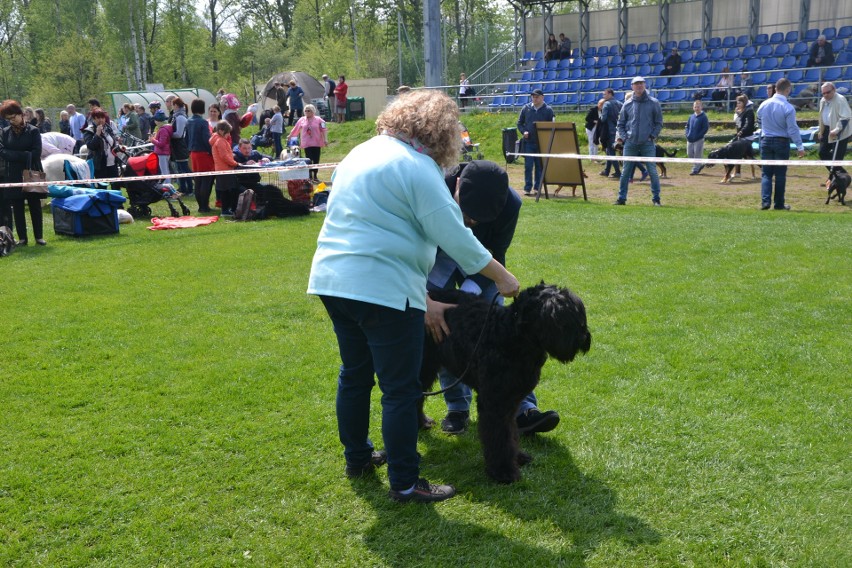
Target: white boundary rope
[704, 161]
[241, 171]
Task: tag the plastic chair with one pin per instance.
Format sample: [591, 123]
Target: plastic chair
[795, 75]
[688, 68]
[844, 32]
[691, 81]
[602, 61]
[676, 82]
[781, 50]
[812, 75]
[496, 101]
[791, 37]
[765, 50]
[830, 33]
[736, 65]
[837, 45]
[811, 35]
[657, 58]
[800, 48]
[742, 41]
[552, 64]
[704, 67]
[760, 39]
[752, 64]
[759, 77]
[719, 66]
[629, 59]
[714, 43]
[686, 56]
[662, 96]
[775, 76]
[729, 41]
[707, 81]
[643, 58]
[654, 47]
[750, 51]
[644, 70]
[564, 63]
[615, 60]
[776, 38]
[832, 74]
[760, 93]
[538, 56]
[717, 54]
[669, 45]
[657, 69]
[788, 62]
[642, 48]
[701, 55]
[697, 43]
[683, 44]
[769, 64]
[732, 53]
[630, 48]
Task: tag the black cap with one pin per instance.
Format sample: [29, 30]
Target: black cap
[538, 92]
[483, 190]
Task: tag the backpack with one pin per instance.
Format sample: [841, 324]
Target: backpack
[7, 241]
[244, 211]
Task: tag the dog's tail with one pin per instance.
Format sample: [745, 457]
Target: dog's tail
[670, 155]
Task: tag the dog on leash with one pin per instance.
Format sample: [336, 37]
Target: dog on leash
[837, 185]
[734, 150]
[659, 152]
[499, 351]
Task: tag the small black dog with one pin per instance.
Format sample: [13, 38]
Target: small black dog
[500, 355]
[734, 150]
[659, 152]
[837, 185]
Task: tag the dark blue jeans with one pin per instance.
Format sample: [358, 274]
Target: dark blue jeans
[387, 343]
[185, 183]
[773, 148]
[531, 164]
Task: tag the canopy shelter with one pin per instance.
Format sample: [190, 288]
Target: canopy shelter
[145, 98]
[313, 88]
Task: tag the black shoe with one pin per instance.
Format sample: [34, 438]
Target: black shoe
[376, 460]
[604, 173]
[424, 492]
[764, 207]
[615, 176]
[41, 242]
[657, 204]
[533, 420]
[784, 208]
[455, 422]
[21, 243]
[620, 202]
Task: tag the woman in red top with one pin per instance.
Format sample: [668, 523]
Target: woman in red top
[223, 160]
[340, 98]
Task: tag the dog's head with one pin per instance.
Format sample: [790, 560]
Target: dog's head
[556, 318]
[717, 154]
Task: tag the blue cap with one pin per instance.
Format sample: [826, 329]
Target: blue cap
[160, 116]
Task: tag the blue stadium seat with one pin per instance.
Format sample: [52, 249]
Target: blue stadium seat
[716, 54]
[564, 63]
[575, 53]
[539, 65]
[614, 50]
[760, 39]
[847, 75]
[564, 74]
[796, 75]
[769, 64]
[707, 81]
[691, 81]
[589, 62]
[662, 96]
[714, 43]
[832, 74]
[604, 84]
[844, 87]
[803, 60]
[704, 67]
[683, 44]
[643, 58]
[603, 60]
[686, 56]
[669, 45]
[550, 75]
[749, 51]
[736, 65]
[642, 47]
[654, 47]
[775, 76]
[526, 76]
[552, 64]
[830, 33]
[688, 68]
[697, 43]
[538, 56]
[592, 51]
[812, 75]
[602, 72]
[759, 77]
[615, 60]
[701, 55]
[720, 66]
[630, 70]
[538, 75]
[742, 41]
[781, 50]
[844, 58]
[527, 57]
[837, 45]
[617, 84]
[629, 59]
[799, 48]
[791, 37]
[760, 93]
[576, 73]
[675, 82]
[496, 101]
[752, 64]
[549, 99]
[798, 89]
[776, 38]
[549, 87]
[589, 73]
[616, 71]
[523, 89]
[572, 99]
[657, 69]
[630, 48]
[560, 99]
[577, 63]
[788, 62]
[811, 35]
[657, 82]
[644, 70]
[657, 57]
[844, 32]
[510, 89]
[677, 96]
[765, 50]
[729, 41]
[588, 99]
[732, 53]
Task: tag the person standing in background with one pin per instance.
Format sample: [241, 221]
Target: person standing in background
[340, 93]
[778, 129]
[329, 86]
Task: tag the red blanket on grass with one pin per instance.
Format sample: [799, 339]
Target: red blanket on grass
[161, 224]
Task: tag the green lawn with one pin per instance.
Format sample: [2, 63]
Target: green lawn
[168, 399]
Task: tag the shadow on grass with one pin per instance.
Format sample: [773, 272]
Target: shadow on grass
[555, 503]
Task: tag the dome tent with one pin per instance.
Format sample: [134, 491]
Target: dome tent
[313, 88]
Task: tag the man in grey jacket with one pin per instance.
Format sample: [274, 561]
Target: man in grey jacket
[639, 124]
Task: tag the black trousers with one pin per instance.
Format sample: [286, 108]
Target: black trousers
[313, 154]
[826, 150]
[34, 203]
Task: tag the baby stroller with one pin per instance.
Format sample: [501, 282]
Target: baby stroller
[142, 193]
[132, 145]
[469, 150]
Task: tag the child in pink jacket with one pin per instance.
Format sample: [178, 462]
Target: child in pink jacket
[162, 141]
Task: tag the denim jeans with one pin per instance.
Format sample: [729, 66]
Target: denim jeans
[773, 148]
[186, 187]
[639, 149]
[529, 165]
[387, 343]
[459, 397]
[616, 169]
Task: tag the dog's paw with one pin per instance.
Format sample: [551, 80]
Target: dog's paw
[523, 458]
[505, 476]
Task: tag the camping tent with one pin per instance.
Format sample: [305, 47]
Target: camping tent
[145, 98]
[313, 88]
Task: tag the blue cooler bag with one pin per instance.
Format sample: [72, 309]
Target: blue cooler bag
[83, 215]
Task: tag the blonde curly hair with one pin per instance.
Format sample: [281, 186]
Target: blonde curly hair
[431, 117]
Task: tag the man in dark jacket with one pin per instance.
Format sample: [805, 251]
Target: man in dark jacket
[535, 111]
[639, 124]
[490, 208]
[821, 53]
[672, 63]
[606, 125]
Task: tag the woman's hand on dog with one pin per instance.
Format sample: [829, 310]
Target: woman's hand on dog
[436, 325]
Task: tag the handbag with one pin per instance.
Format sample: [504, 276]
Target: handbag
[33, 176]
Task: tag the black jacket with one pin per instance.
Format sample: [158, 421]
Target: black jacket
[19, 152]
[745, 122]
[98, 145]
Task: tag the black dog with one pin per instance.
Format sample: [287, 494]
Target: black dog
[499, 351]
[734, 150]
[659, 152]
[837, 186]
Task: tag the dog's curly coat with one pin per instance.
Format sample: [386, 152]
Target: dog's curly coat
[506, 363]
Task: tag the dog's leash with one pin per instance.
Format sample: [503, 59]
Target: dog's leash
[472, 354]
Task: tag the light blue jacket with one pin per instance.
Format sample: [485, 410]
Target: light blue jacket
[640, 119]
[388, 211]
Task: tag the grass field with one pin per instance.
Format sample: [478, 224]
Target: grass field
[168, 398]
